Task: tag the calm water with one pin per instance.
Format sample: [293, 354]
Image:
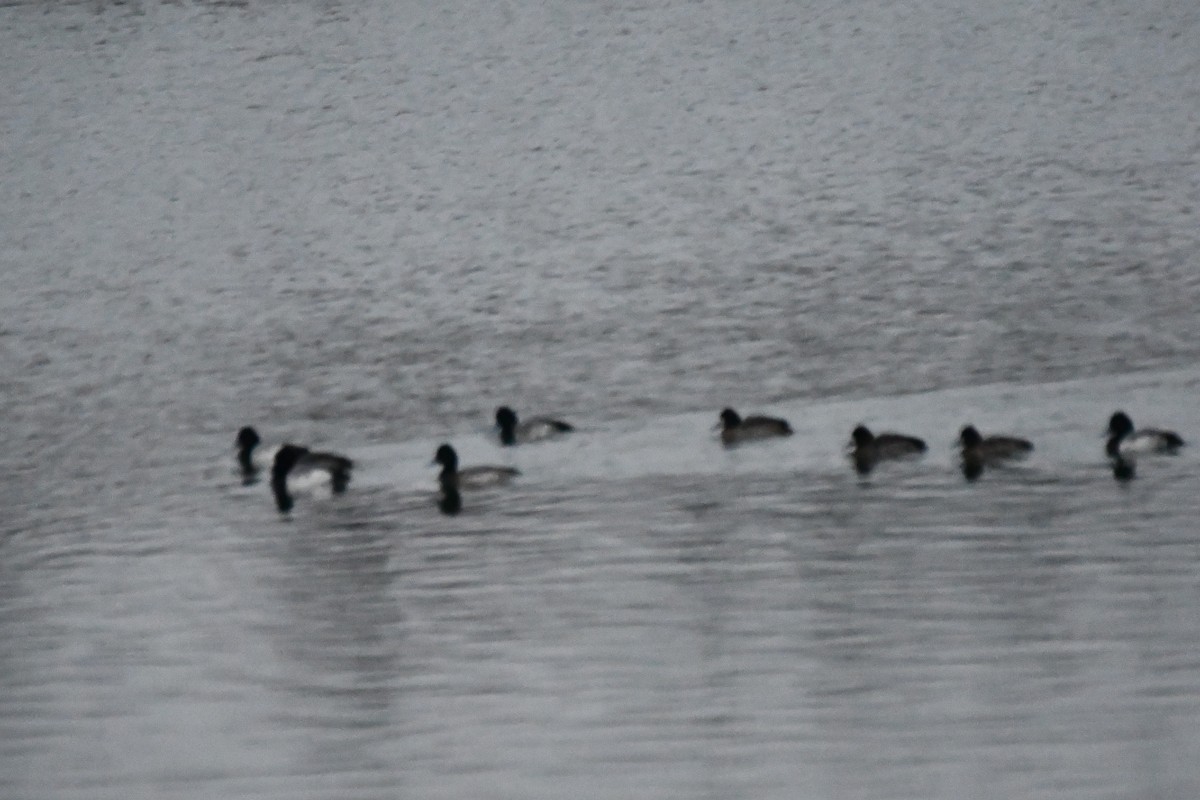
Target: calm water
[364, 225]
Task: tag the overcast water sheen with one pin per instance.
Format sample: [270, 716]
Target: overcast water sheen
[364, 225]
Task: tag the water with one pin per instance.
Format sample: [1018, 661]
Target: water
[364, 225]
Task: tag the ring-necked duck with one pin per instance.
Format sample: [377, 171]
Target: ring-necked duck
[298, 469]
[735, 429]
[869, 449]
[1123, 440]
[979, 451]
[471, 477]
[531, 430]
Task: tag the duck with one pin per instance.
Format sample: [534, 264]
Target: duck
[532, 430]
[480, 477]
[1124, 441]
[736, 429]
[252, 456]
[298, 469]
[979, 451]
[869, 449]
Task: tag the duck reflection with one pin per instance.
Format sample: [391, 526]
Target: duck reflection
[1123, 469]
[449, 500]
[972, 467]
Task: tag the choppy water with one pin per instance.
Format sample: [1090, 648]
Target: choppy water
[364, 225]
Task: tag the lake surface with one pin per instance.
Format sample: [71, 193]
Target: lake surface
[364, 225]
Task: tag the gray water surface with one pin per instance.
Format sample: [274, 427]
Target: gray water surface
[364, 225]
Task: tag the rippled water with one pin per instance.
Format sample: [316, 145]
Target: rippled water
[364, 225]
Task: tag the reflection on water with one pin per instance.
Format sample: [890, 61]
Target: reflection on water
[1123, 469]
[449, 500]
[904, 634]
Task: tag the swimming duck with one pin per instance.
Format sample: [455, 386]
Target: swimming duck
[532, 430]
[1123, 440]
[735, 429]
[979, 451]
[869, 449]
[298, 469]
[481, 477]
